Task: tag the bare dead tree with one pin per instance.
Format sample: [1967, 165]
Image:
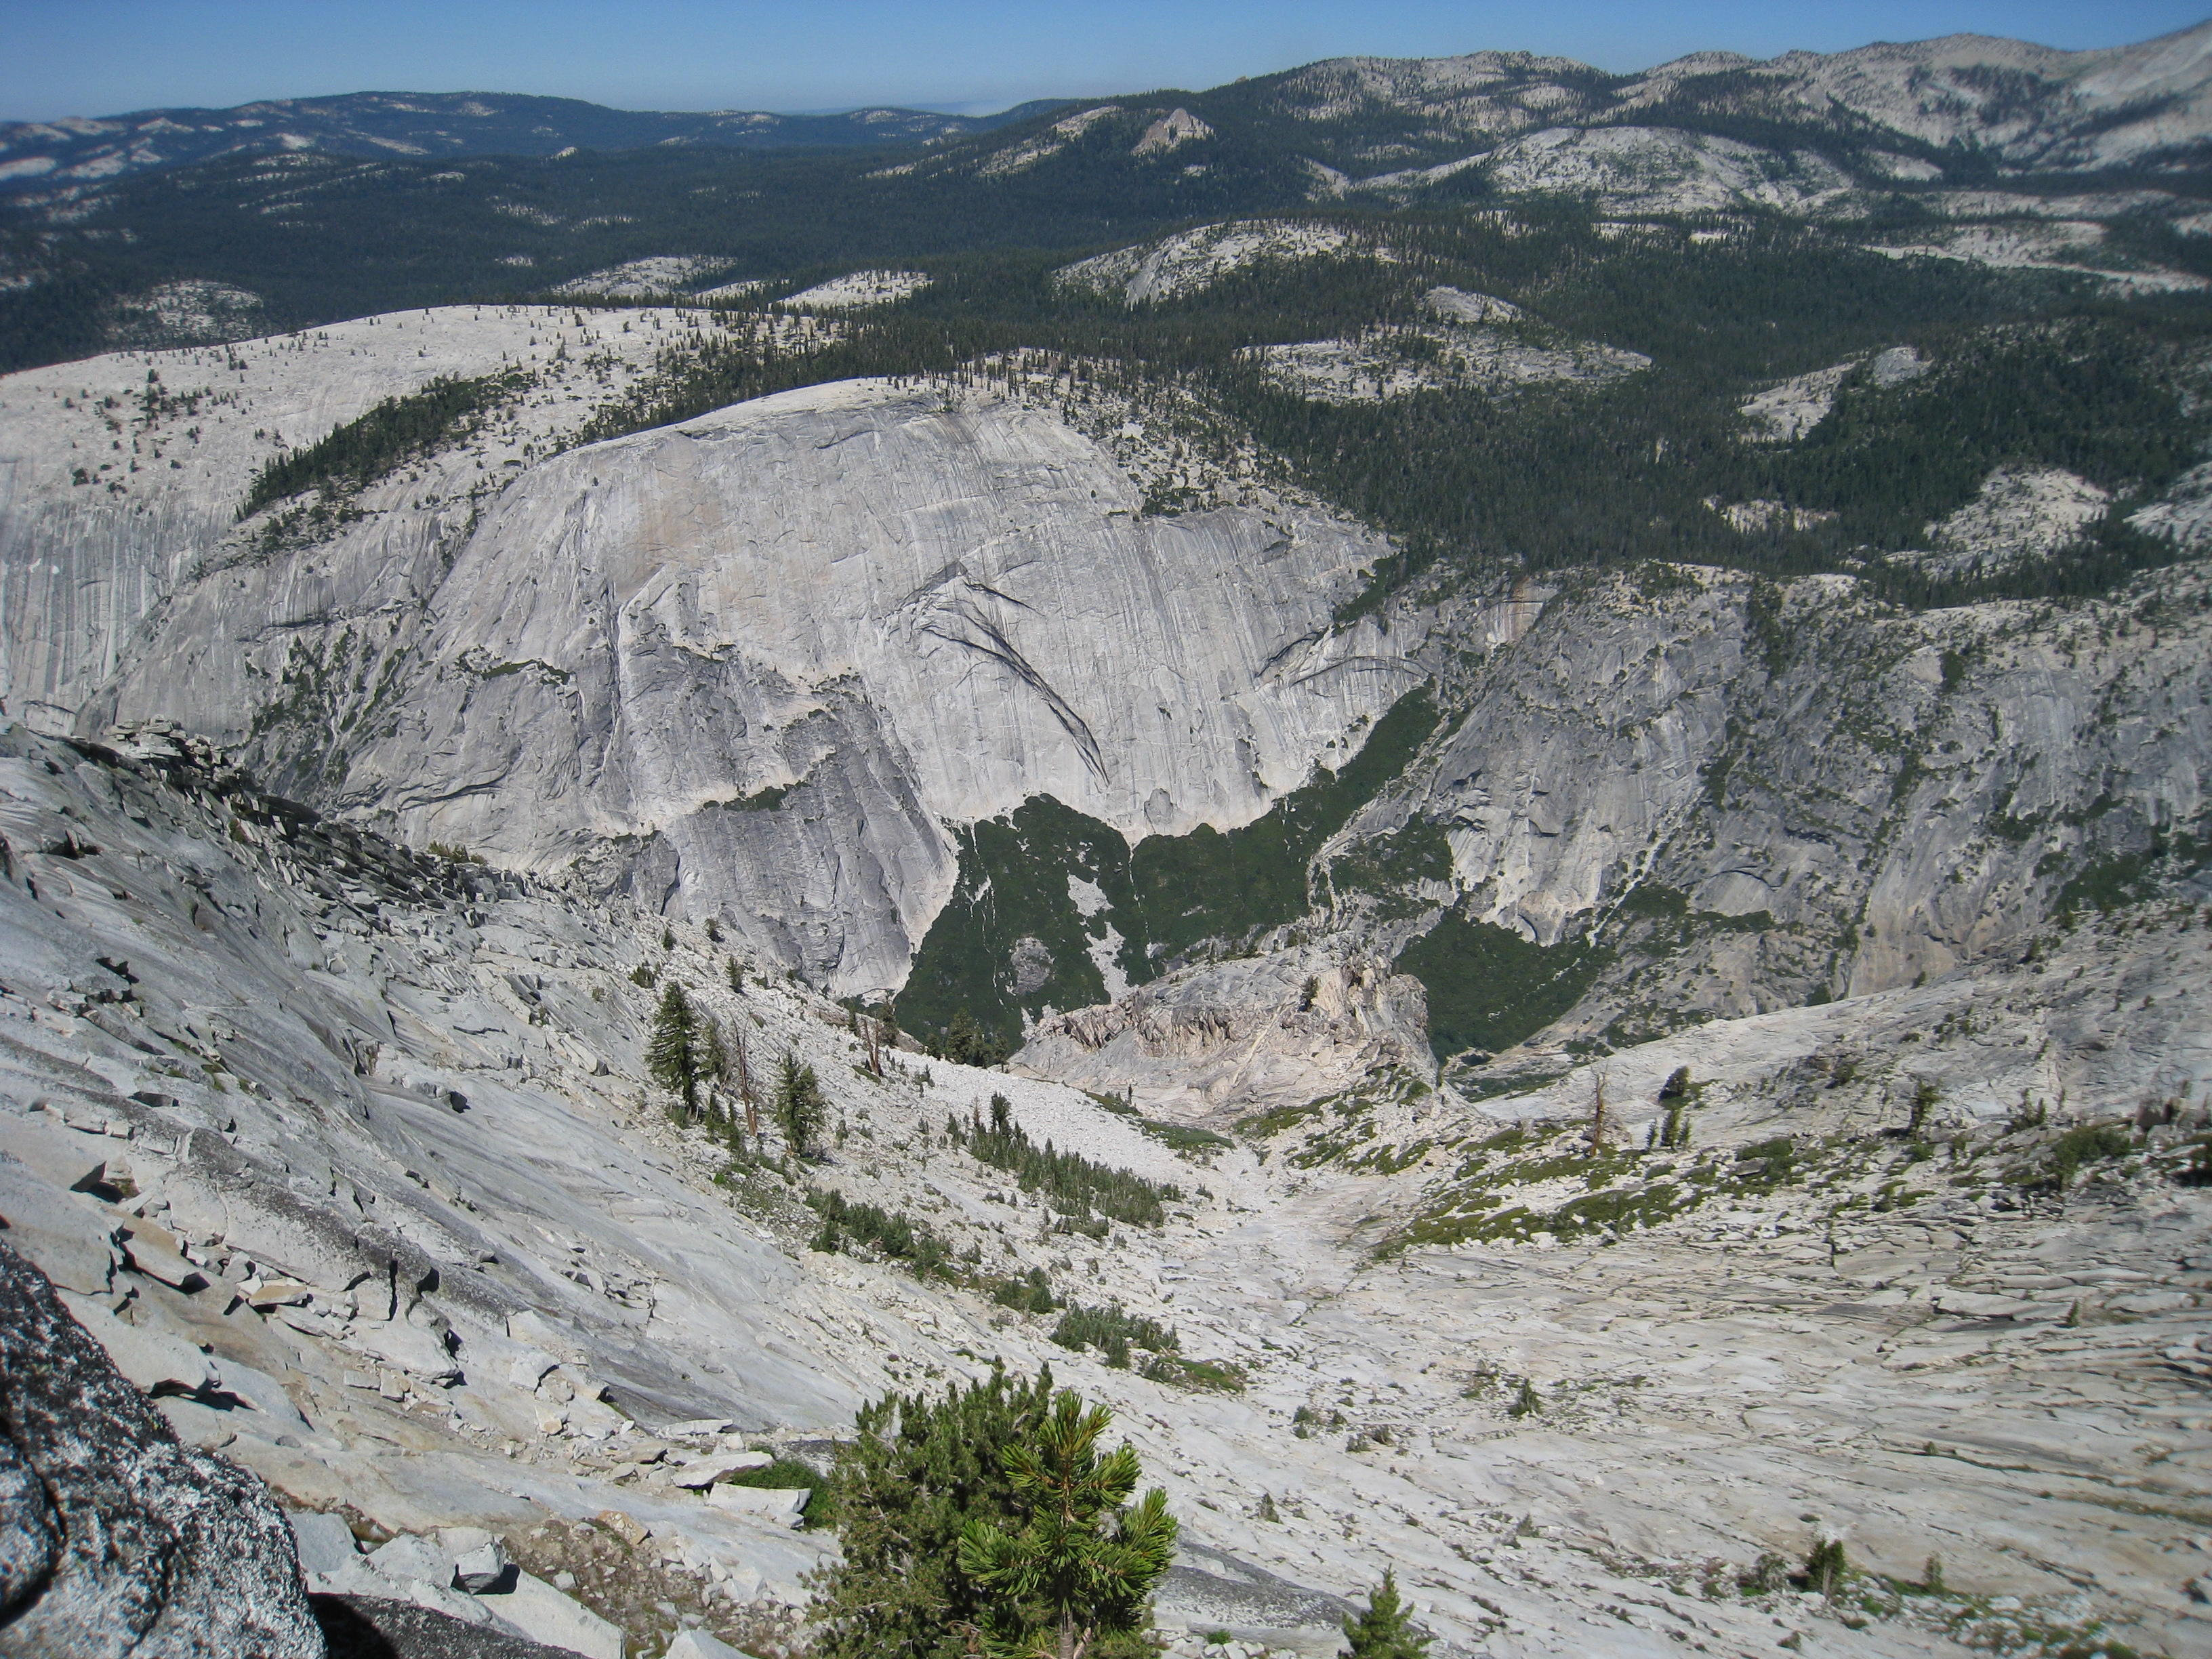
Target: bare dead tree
[746, 1091]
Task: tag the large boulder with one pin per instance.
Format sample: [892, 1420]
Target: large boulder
[115, 1539]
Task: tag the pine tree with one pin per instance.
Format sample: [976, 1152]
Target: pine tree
[1083, 1566]
[714, 1057]
[671, 1054]
[962, 1038]
[1385, 1630]
[799, 1108]
[916, 1471]
[1826, 1568]
[1926, 1092]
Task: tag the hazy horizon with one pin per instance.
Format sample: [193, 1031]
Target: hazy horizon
[105, 57]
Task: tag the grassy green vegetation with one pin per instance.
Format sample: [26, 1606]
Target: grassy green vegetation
[1030, 1294]
[1079, 1188]
[786, 1474]
[1192, 1142]
[1543, 1177]
[1168, 895]
[1343, 1124]
[1185, 1138]
[1618, 1194]
[1489, 987]
[1203, 1374]
[1265, 1126]
[395, 431]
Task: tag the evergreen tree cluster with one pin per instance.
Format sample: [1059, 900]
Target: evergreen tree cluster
[1113, 1330]
[395, 431]
[896, 1236]
[1076, 1186]
[965, 1042]
[690, 1055]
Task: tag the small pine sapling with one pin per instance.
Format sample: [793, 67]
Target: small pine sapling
[1825, 1569]
[1385, 1630]
[800, 1107]
[1083, 1562]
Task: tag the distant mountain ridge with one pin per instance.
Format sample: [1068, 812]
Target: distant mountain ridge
[181, 227]
[79, 149]
[2011, 104]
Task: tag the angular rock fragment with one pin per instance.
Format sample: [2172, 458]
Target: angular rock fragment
[482, 1568]
[68, 1239]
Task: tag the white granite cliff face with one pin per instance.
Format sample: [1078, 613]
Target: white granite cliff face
[168, 443]
[1752, 796]
[900, 614]
[749, 666]
[1901, 793]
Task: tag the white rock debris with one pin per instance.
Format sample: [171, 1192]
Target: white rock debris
[1193, 260]
[2072, 247]
[2020, 514]
[1171, 133]
[1662, 170]
[1477, 340]
[1788, 410]
[658, 275]
[858, 290]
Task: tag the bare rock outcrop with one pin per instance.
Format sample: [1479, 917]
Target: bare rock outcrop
[1254, 1032]
[115, 1538]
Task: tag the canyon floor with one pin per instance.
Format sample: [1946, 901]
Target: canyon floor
[367, 1133]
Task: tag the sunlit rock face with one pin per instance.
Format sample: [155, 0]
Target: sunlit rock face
[754, 666]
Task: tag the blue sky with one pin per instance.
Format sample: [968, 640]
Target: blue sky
[104, 57]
